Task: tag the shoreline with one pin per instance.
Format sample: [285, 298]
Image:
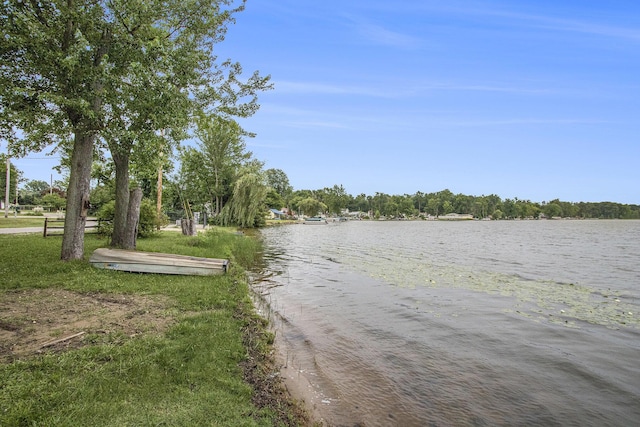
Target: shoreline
[299, 387]
[294, 379]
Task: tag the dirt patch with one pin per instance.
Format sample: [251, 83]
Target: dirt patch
[38, 321]
[35, 321]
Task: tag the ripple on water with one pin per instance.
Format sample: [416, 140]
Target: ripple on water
[481, 323]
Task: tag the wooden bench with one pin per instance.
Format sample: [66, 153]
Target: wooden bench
[55, 226]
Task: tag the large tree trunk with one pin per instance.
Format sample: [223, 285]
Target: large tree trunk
[188, 226]
[118, 238]
[133, 219]
[78, 196]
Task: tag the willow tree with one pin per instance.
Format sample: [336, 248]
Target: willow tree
[247, 204]
[311, 206]
[68, 65]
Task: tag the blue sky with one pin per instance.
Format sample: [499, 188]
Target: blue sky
[530, 99]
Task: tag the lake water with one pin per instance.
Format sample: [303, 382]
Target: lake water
[478, 323]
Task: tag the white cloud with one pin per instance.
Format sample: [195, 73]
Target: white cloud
[543, 19]
[516, 121]
[557, 24]
[383, 36]
[315, 124]
[402, 89]
[332, 89]
[272, 145]
[484, 88]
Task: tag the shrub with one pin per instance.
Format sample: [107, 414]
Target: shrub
[147, 226]
[105, 218]
[54, 201]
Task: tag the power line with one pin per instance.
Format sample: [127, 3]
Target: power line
[36, 158]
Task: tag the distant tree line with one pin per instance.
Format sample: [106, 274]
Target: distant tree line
[243, 192]
[335, 199]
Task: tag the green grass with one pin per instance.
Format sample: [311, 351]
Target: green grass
[189, 376]
[21, 221]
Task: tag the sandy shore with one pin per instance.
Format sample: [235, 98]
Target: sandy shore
[300, 387]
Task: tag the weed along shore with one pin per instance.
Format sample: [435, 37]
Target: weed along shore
[86, 346]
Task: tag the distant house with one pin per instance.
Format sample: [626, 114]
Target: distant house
[275, 214]
[353, 214]
[455, 217]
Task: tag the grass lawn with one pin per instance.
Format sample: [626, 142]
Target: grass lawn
[21, 221]
[82, 346]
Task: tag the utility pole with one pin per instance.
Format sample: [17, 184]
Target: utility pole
[7, 186]
[159, 187]
[15, 206]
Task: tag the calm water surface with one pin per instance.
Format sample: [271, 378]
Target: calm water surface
[476, 323]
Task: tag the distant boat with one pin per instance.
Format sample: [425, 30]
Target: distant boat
[155, 262]
[337, 219]
[315, 220]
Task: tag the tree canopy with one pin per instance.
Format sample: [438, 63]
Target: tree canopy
[75, 72]
[210, 169]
